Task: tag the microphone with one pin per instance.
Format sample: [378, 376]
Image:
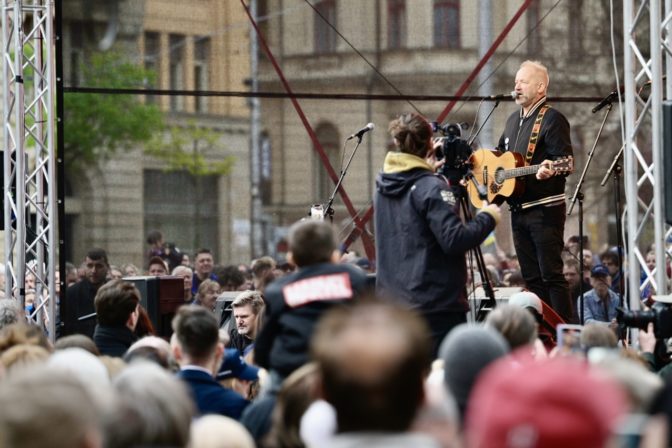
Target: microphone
[607, 100]
[361, 132]
[503, 96]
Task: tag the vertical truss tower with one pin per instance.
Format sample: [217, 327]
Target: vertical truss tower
[646, 56]
[30, 212]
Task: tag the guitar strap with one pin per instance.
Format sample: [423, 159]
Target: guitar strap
[534, 136]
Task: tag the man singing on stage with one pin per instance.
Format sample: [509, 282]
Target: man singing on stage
[540, 134]
[420, 239]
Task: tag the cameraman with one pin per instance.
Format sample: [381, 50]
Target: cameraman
[420, 239]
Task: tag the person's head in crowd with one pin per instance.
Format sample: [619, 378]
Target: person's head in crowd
[248, 310]
[609, 260]
[117, 304]
[229, 277]
[373, 358]
[155, 239]
[261, 267]
[10, 313]
[639, 384]
[529, 301]
[515, 279]
[115, 273]
[114, 365]
[514, 323]
[88, 369]
[587, 259]
[570, 270]
[650, 261]
[218, 431]
[130, 270]
[465, 352]
[197, 337]
[48, 408]
[79, 341]
[153, 408]
[600, 280]
[596, 335]
[207, 294]
[412, 134]
[23, 333]
[558, 402]
[22, 356]
[187, 275]
[311, 242]
[297, 393]
[157, 267]
[70, 274]
[572, 245]
[97, 266]
[203, 263]
[152, 348]
[186, 260]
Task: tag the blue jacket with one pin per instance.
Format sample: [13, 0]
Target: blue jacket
[421, 240]
[210, 396]
[593, 308]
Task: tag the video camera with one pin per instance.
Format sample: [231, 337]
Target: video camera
[453, 149]
[660, 315]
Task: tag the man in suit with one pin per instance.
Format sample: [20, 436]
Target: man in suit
[197, 349]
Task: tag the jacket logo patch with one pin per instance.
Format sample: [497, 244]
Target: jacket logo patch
[314, 289]
[448, 197]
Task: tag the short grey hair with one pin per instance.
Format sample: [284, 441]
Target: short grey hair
[10, 312]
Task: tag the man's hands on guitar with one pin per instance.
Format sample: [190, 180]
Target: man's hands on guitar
[545, 170]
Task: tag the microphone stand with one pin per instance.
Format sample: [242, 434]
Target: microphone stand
[579, 195]
[480, 128]
[615, 169]
[328, 209]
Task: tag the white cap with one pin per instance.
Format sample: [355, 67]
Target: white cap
[527, 299]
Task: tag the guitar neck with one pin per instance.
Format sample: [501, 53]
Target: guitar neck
[521, 171]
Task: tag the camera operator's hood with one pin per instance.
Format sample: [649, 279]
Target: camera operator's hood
[400, 172]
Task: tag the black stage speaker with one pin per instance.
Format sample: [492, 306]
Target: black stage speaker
[161, 297]
[667, 160]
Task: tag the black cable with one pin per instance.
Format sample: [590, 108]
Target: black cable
[359, 53]
[301, 95]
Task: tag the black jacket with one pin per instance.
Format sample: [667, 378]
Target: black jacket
[421, 240]
[79, 303]
[113, 340]
[553, 143]
[294, 304]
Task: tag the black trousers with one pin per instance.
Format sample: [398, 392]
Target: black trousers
[538, 237]
[440, 323]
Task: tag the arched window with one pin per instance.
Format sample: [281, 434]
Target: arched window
[327, 134]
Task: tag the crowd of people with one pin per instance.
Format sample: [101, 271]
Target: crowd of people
[317, 351]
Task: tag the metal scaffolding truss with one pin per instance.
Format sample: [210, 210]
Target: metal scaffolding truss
[30, 213]
[646, 55]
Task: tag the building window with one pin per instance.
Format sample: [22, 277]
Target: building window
[447, 23]
[183, 207]
[201, 75]
[81, 34]
[327, 134]
[534, 31]
[575, 21]
[151, 57]
[396, 24]
[325, 37]
[177, 49]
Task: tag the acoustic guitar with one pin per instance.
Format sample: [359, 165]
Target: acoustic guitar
[498, 172]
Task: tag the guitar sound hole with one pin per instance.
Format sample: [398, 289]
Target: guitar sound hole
[499, 176]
